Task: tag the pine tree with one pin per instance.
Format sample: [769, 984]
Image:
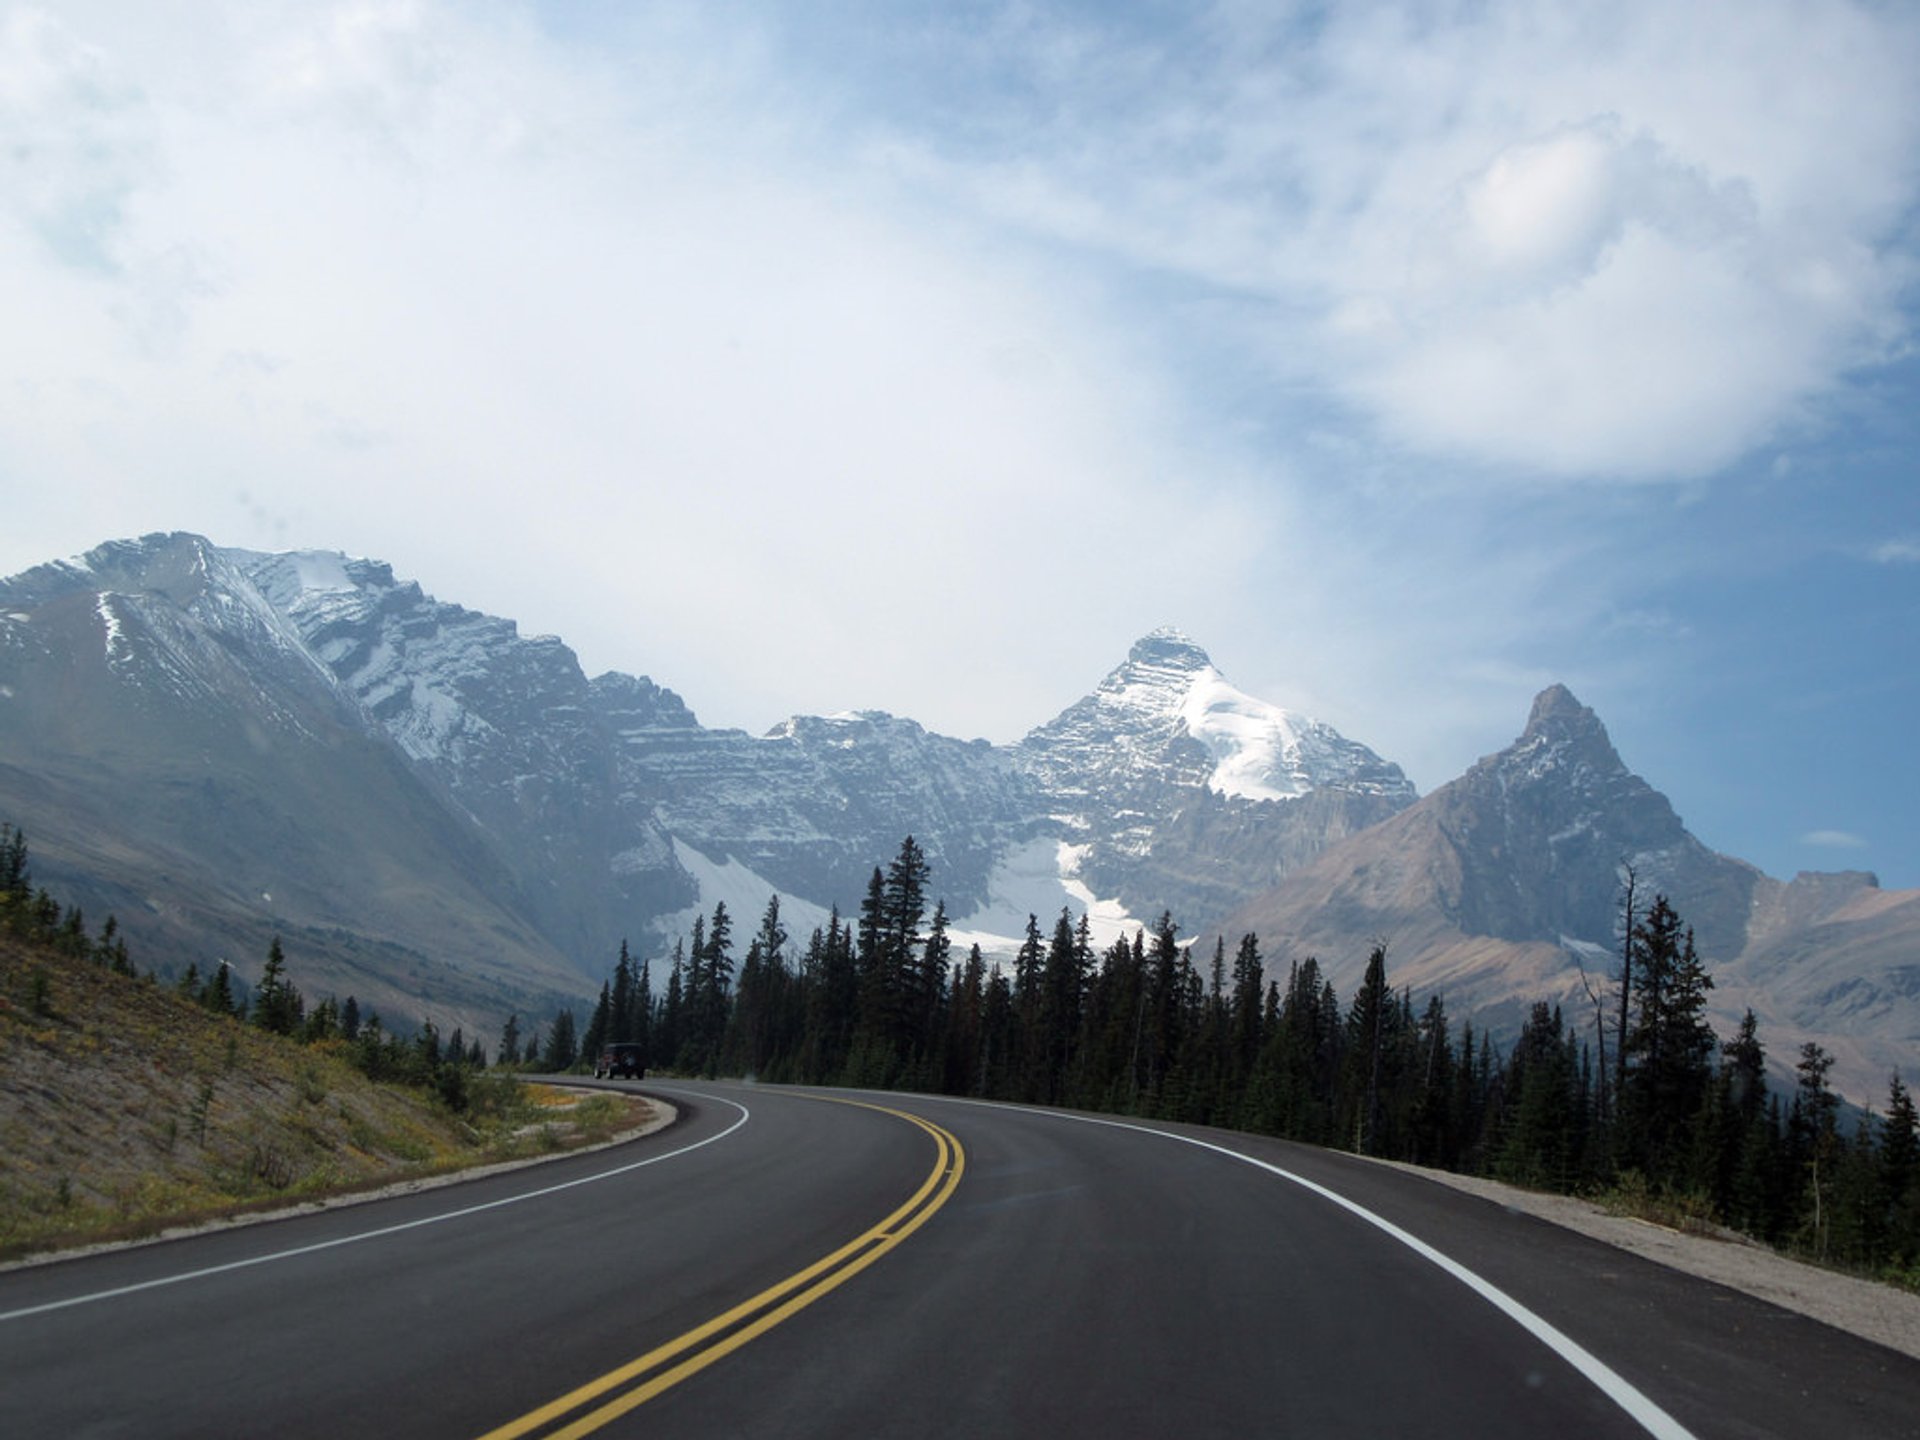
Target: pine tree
[1669, 1047]
[672, 1006]
[1816, 1112]
[277, 1005]
[1900, 1176]
[217, 996]
[1540, 1137]
[642, 1031]
[16, 885]
[1246, 1011]
[1371, 1031]
[599, 1026]
[1745, 1062]
[622, 1022]
[562, 1048]
[510, 1040]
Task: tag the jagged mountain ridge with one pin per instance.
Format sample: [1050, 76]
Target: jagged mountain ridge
[595, 809]
[450, 819]
[180, 761]
[1504, 887]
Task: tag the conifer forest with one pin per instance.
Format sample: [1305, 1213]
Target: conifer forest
[1638, 1096]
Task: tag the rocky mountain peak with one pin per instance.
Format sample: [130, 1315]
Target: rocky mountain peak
[1557, 705]
[1169, 648]
[1563, 739]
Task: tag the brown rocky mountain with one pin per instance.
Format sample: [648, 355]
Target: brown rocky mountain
[1506, 887]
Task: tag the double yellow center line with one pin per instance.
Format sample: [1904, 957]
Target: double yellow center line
[633, 1384]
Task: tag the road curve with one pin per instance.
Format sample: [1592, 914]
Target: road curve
[1042, 1274]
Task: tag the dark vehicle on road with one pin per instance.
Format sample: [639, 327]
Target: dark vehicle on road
[628, 1062]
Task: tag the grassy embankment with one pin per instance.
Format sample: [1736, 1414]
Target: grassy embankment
[126, 1109]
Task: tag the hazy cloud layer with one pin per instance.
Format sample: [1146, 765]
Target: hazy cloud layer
[1582, 239]
[846, 355]
[1833, 840]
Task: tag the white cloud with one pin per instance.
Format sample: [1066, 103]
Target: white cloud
[70, 140]
[1586, 240]
[595, 342]
[1896, 552]
[1834, 840]
[811, 403]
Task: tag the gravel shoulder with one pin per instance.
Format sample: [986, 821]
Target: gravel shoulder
[1866, 1308]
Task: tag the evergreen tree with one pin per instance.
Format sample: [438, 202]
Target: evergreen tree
[277, 1005]
[562, 1048]
[1430, 1138]
[1900, 1176]
[1816, 1136]
[16, 885]
[1246, 1012]
[509, 1041]
[218, 994]
[1745, 1063]
[929, 998]
[641, 1030]
[1539, 1142]
[1371, 1031]
[599, 1026]
[1669, 1048]
[623, 1021]
[672, 1007]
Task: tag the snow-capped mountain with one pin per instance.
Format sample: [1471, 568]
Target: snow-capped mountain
[1167, 716]
[605, 809]
[450, 819]
[1179, 791]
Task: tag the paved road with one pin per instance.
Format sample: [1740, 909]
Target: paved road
[975, 1271]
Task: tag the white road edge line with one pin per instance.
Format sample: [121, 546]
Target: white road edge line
[382, 1232]
[1610, 1382]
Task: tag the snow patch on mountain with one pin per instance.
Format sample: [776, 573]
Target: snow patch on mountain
[1169, 715]
[745, 894]
[1039, 878]
[1255, 746]
[321, 571]
[115, 637]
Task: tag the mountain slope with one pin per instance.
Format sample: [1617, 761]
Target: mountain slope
[1178, 791]
[1503, 886]
[441, 813]
[450, 819]
[180, 761]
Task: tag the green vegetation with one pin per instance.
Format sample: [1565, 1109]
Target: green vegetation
[129, 1106]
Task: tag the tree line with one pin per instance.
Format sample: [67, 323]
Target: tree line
[1646, 1098]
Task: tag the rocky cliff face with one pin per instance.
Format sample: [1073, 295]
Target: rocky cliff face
[448, 818]
[1184, 793]
[181, 759]
[1543, 829]
[593, 810]
[1506, 886]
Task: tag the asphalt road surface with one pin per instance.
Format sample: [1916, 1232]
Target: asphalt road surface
[813, 1263]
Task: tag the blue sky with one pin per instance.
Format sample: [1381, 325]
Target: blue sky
[1411, 357]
